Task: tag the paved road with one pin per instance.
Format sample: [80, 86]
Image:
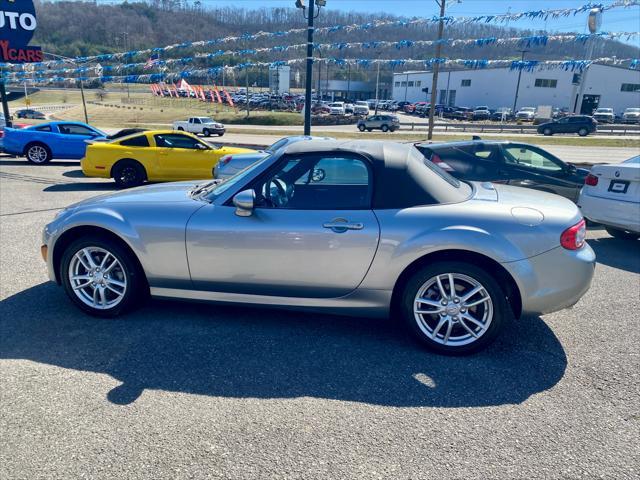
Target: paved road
[178, 390]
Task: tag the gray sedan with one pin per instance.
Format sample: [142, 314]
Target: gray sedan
[229, 165]
[361, 228]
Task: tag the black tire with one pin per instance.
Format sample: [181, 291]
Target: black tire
[128, 173]
[583, 132]
[37, 153]
[369, 129]
[180, 129]
[362, 128]
[547, 132]
[127, 271]
[206, 132]
[622, 234]
[501, 310]
[221, 134]
[384, 128]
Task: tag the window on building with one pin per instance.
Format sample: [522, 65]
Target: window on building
[403, 84]
[630, 87]
[466, 83]
[418, 83]
[546, 83]
[443, 97]
[397, 84]
[410, 84]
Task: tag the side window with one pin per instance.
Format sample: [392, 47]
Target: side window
[317, 182]
[531, 158]
[175, 140]
[196, 120]
[73, 129]
[44, 128]
[138, 141]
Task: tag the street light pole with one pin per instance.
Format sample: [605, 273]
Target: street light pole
[377, 86]
[436, 68]
[515, 100]
[309, 79]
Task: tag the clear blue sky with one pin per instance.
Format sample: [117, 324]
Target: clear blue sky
[622, 19]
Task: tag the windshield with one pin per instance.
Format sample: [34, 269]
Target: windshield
[216, 188]
[632, 110]
[604, 110]
[528, 109]
[633, 160]
[206, 120]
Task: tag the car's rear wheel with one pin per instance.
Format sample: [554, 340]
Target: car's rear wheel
[454, 308]
[369, 129]
[206, 132]
[362, 128]
[38, 153]
[180, 129]
[101, 277]
[128, 173]
[547, 132]
[622, 234]
[583, 132]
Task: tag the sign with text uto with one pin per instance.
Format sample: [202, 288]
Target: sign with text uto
[17, 24]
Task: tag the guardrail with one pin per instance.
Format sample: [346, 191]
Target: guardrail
[615, 129]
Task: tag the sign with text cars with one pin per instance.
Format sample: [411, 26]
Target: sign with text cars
[17, 24]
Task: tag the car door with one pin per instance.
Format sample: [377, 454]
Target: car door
[183, 157]
[532, 167]
[194, 125]
[311, 234]
[73, 137]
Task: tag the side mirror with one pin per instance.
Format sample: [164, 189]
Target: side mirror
[572, 168]
[244, 203]
[200, 146]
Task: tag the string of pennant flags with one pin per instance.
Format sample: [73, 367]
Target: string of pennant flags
[502, 18]
[524, 41]
[528, 65]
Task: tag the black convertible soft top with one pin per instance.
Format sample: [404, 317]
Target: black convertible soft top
[402, 176]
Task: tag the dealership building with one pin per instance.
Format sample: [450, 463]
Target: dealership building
[605, 86]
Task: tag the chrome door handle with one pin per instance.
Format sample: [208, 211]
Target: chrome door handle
[342, 226]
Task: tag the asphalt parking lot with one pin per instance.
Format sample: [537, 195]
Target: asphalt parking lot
[178, 390]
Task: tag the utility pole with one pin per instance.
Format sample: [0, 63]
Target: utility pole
[247, 89]
[594, 22]
[84, 104]
[309, 79]
[377, 86]
[348, 80]
[515, 100]
[436, 67]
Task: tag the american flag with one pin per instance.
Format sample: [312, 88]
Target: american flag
[153, 60]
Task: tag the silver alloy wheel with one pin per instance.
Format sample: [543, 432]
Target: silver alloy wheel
[37, 154]
[453, 309]
[97, 278]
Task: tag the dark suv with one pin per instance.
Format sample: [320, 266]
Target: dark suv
[510, 163]
[583, 125]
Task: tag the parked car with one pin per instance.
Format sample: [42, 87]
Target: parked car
[510, 163]
[47, 141]
[231, 164]
[386, 123]
[631, 115]
[481, 113]
[380, 228]
[30, 113]
[462, 113]
[204, 125]
[583, 125]
[336, 108]
[361, 108]
[157, 156]
[604, 115]
[559, 112]
[348, 108]
[503, 114]
[611, 197]
[526, 114]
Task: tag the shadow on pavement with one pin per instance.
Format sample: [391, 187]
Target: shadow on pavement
[21, 162]
[253, 353]
[82, 187]
[617, 253]
[74, 174]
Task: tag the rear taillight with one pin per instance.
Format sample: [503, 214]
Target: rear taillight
[436, 160]
[573, 237]
[226, 159]
[591, 180]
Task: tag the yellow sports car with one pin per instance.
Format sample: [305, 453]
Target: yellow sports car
[156, 156]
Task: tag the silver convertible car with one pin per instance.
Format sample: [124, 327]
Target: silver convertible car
[363, 228]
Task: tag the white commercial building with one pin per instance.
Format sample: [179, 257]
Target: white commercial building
[606, 86]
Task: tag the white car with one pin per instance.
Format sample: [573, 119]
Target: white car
[611, 196]
[631, 115]
[336, 108]
[527, 114]
[604, 115]
[203, 125]
[361, 108]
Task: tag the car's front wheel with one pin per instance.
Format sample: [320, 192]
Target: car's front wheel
[384, 128]
[454, 308]
[547, 132]
[583, 132]
[38, 154]
[206, 132]
[101, 277]
[362, 128]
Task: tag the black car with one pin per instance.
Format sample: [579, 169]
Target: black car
[510, 163]
[583, 125]
[503, 115]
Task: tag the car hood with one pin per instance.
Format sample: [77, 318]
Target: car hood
[151, 194]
